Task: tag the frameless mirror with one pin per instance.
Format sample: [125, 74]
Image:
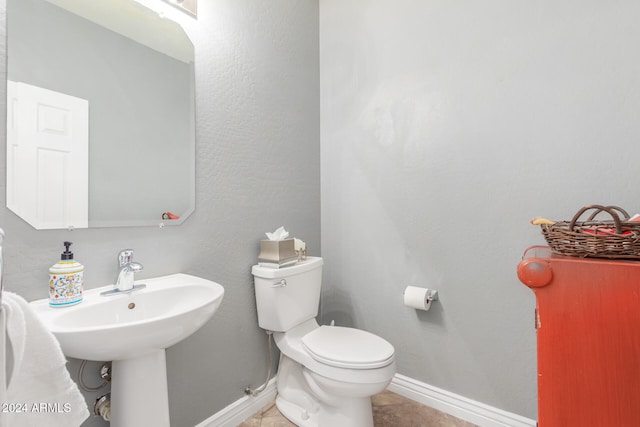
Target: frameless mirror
[100, 115]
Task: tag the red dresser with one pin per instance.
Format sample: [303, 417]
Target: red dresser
[588, 331]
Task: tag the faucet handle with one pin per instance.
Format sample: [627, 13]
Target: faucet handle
[125, 257]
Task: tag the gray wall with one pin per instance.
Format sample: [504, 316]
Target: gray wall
[257, 168]
[446, 126]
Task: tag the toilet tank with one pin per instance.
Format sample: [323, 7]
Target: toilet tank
[286, 297]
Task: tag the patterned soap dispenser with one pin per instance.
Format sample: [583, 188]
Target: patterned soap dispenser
[65, 280]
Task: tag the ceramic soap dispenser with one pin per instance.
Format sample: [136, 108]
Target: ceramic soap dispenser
[65, 280]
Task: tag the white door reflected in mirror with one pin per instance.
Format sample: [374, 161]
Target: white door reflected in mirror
[47, 157]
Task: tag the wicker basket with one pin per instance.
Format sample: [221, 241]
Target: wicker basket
[615, 238]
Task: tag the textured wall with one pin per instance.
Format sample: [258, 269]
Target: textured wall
[446, 126]
[257, 168]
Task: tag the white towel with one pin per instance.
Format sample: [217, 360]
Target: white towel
[39, 387]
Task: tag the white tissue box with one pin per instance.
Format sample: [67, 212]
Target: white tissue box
[277, 253]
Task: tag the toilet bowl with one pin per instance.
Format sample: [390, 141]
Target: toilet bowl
[324, 380]
[327, 374]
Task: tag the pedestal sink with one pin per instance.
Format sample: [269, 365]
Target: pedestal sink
[133, 330]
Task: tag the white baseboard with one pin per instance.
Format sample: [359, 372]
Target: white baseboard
[456, 405]
[241, 409]
[434, 397]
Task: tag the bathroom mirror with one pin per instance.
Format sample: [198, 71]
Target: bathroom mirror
[100, 115]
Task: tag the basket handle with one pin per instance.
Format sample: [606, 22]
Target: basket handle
[608, 209]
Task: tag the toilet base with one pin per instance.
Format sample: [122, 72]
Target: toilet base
[355, 412]
[298, 403]
[296, 414]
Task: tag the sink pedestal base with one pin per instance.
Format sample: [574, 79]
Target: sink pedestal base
[139, 395]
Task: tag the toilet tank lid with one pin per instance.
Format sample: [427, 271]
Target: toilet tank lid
[275, 273]
[348, 348]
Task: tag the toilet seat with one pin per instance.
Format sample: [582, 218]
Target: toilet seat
[348, 348]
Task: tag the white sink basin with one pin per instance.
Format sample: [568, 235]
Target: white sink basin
[133, 330]
[126, 326]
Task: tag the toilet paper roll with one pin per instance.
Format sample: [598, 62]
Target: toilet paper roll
[418, 298]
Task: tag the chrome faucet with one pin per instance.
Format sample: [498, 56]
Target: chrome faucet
[124, 279]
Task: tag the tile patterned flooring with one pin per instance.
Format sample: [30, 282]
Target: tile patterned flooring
[389, 410]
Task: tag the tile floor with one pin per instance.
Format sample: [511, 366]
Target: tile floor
[389, 410]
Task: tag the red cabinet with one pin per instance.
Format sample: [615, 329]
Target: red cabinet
[588, 332]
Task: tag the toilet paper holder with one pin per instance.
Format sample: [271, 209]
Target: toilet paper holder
[419, 298]
[432, 295]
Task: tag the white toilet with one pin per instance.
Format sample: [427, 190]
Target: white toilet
[327, 374]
